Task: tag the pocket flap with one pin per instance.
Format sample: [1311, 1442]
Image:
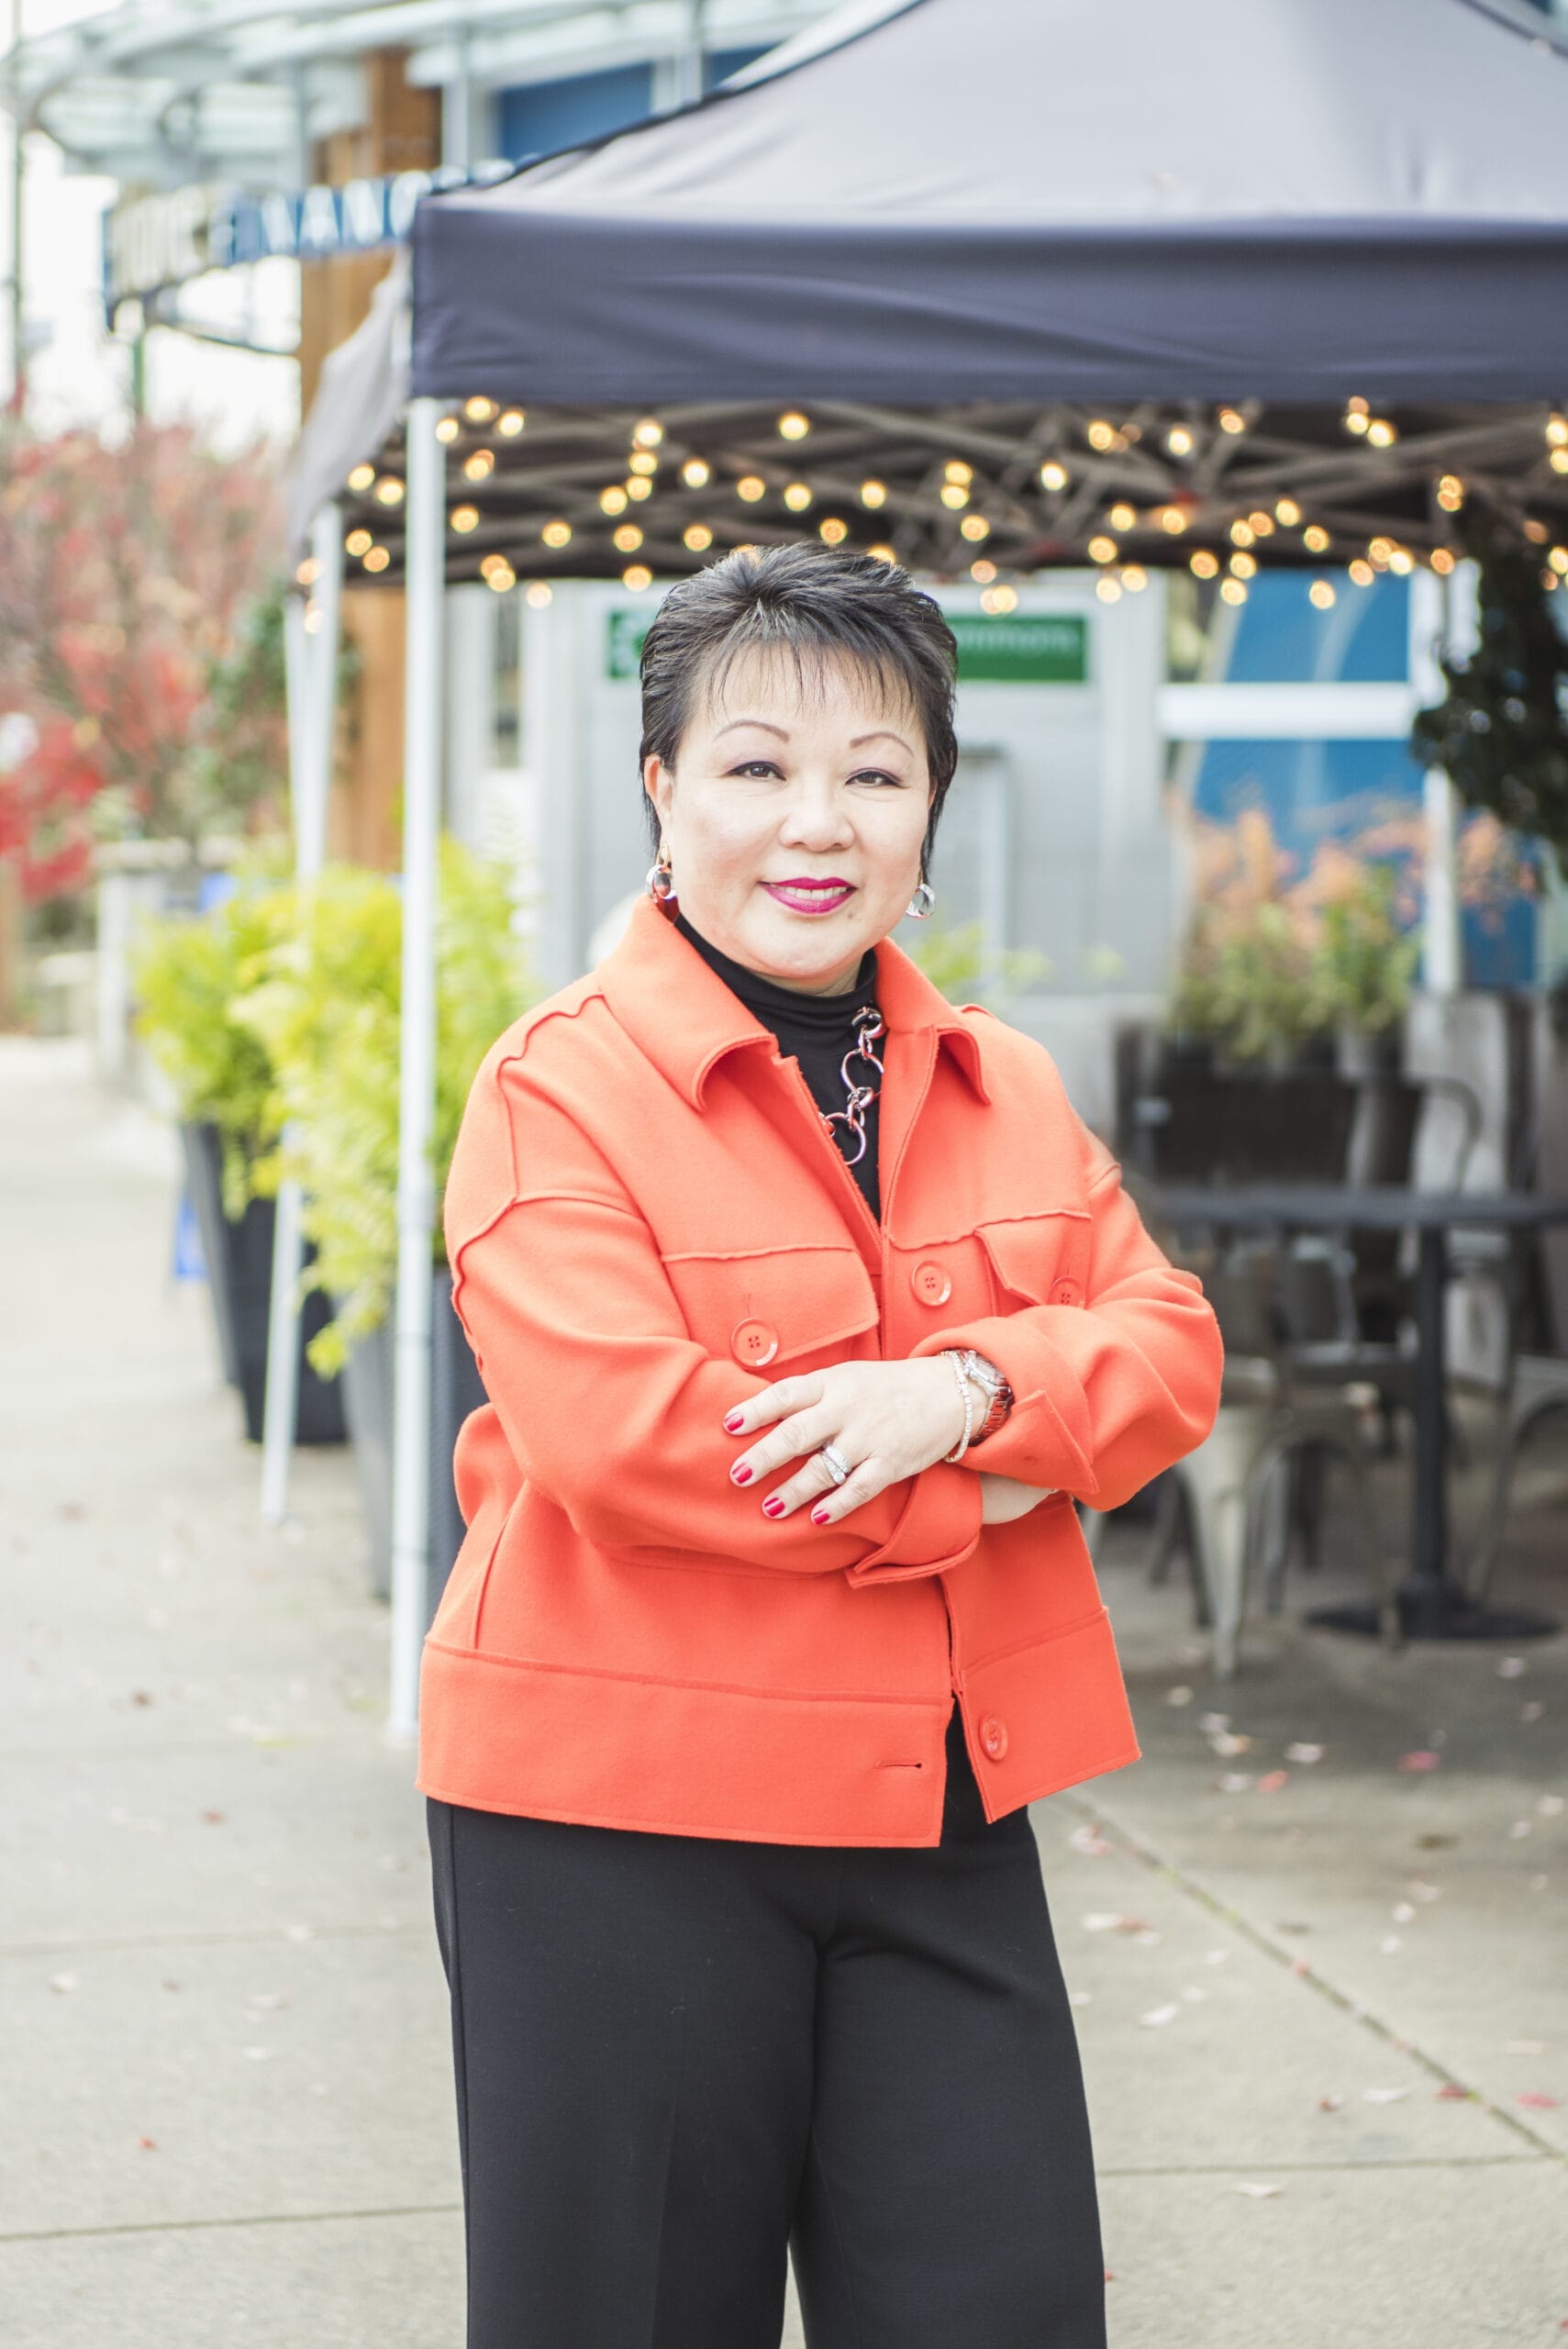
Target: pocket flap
[802, 1301]
[1044, 1259]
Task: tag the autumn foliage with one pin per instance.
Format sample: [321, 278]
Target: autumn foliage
[141, 667]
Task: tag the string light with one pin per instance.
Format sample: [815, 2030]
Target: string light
[956, 470]
[628, 538]
[697, 473]
[1442, 560]
[1001, 598]
[479, 466]
[362, 477]
[1548, 580]
[1558, 559]
[1321, 593]
[464, 517]
[357, 541]
[389, 489]
[501, 578]
[1316, 539]
[955, 495]
[1558, 460]
[1053, 474]
[1241, 534]
[1557, 431]
[557, 534]
[1233, 420]
[1380, 549]
[1173, 519]
[1402, 562]
[1362, 573]
[1179, 440]
[309, 571]
[1450, 492]
[1202, 564]
[793, 426]
[698, 537]
[974, 527]
[1244, 566]
[538, 593]
[1108, 588]
[1263, 524]
[1134, 578]
[1535, 531]
[750, 486]
[1101, 549]
[638, 487]
[983, 572]
[637, 576]
[1382, 433]
[882, 552]
[377, 559]
[479, 410]
[1121, 517]
[612, 499]
[491, 563]
[642, 461]
[1101, 435]
[1356, 417]
[1233, 591]
[832, 531]
[447, 427]
[648, 434]
[797, 497]
[511, 423]
[874, 493]
[1288, 512]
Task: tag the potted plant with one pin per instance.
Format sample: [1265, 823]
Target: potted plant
[324, 1001]
[188, 972]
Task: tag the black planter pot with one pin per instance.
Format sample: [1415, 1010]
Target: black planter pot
[456, 1389]
[240, 1273]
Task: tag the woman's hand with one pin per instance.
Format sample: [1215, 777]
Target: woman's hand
[1005, 1498]
[888, 1420]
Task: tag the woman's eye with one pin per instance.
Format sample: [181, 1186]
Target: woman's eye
[874, 775]
[755, 766]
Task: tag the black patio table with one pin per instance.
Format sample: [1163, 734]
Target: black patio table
[1431, 1604]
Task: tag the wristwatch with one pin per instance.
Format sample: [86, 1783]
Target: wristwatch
[992, 1383]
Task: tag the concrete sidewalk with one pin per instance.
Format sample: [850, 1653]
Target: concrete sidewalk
[1309, 2009]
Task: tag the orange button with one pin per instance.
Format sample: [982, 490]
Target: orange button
[754, 1343]
[994, 1736]
[931, 1284]
[1066, 1292]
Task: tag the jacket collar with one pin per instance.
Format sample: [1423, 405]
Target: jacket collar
[681, 1016]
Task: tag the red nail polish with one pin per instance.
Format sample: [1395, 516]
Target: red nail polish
[773, 1507]
[820, 1516]
[741, 1473]
[735, 1422]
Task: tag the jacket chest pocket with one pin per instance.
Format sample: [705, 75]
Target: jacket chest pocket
[1040, 1259]
[778, 1310]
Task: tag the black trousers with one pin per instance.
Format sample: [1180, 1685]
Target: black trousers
[677, 2055]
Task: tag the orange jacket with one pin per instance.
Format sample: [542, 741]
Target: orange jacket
[647, 1221]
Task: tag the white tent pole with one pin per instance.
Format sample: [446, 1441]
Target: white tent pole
[425, 577]
[1430, 627]
[310, 660]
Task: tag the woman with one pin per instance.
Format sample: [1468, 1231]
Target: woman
[806, 1306]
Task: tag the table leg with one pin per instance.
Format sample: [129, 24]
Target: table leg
[1432, 1606]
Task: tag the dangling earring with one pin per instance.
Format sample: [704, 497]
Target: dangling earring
[921, 904]
[660, 883]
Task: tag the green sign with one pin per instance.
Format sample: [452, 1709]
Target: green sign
[624, 632]
[1012, 649]
[1021, 648]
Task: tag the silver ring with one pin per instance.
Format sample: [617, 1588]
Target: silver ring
[833, 1460]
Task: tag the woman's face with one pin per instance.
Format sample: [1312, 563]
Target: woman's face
[794, 824]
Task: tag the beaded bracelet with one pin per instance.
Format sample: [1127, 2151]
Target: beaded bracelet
[963, 1387]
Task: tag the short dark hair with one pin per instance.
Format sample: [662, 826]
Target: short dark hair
[817, 604]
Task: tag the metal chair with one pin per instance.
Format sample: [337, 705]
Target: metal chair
[1537, 1387]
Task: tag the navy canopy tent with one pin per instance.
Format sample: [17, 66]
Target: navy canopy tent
[998, 200]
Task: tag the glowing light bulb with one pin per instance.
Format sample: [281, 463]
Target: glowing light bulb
[874, 493]
[377, 559]
[357, 541]
[1107, 587]
[750, 486]
[557, 534]
[1101, 549]
[1121, 517]
[832, 531]
[628, 538]
[1243, 566]
[362, 477]
[648, 434]
[1241, 534]
[1134, 578]
[1316, 539]
[882, 552]
[793, 426]
[955, 495]
[1442, 560]
[1321, 593]
[1053, 474]
[1173, 519]
[511, 423]
[956, 470]
[1201, 564]
[479, 410]
[1288, 512]
[538, 593]
[1234, 591]
[465, 517]
[697, 473]
[447, 427]
[974, 527]
[637, 576]
[389, 489]
[642, 461]
[1382, 433]
[1179, 440]
[1233, 420]
[1361, 571]
[1101, 435]
[612, 499]
[698, 537]
[983, 572]
[638, 485]
[479, 466]
[1557, 431]
[797, 497]
[1263, 524]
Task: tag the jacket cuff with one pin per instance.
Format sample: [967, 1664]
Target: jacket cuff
[937, 1528]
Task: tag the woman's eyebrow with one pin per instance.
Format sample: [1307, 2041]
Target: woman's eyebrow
[766, 724]
[883, 733]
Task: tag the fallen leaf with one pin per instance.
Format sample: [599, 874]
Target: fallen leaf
[1423, 1758]
[213, 1817]
[1450, 2092]
[141, 1697]
[72, 1508]
[167, 1985]
[1538, 2100]
[1299, 1966]
[1329, 2103]
[1272, 1781]
[147, 2144]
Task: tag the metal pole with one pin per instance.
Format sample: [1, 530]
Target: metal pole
[310, 657]
[1442, 962]
[18, 399]
[425, 583]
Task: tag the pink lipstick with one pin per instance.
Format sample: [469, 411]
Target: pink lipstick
[811, 894]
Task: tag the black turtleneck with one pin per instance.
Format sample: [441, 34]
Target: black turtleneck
[816, 1031]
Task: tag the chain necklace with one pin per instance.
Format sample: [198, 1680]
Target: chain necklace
[858, 1093]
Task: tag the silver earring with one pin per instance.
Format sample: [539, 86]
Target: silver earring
[661, 882]
[921, 903]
